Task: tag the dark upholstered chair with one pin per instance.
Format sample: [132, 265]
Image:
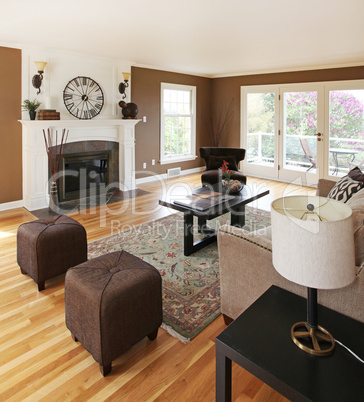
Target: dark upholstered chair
[48, 247]
[214, 157]
[113, 302]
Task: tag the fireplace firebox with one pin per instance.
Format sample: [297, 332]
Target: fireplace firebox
[84, 174]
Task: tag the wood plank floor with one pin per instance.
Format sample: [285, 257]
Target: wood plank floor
[40, 361]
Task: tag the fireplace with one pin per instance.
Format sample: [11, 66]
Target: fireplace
[84, 174]
[119, 132]
[88, 168]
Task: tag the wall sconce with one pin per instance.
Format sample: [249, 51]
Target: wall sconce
[125, 84]
[38, 78]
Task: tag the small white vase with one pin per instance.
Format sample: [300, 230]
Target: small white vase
[226, 183]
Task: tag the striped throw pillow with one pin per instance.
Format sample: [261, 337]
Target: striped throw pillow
[345, 188]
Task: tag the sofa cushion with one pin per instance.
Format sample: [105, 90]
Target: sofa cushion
[215, 162]
[356, 203]
[356, 174]
[345, 188]
[324, 186]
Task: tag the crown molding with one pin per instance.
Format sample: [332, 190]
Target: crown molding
[288, 70]
[168, 70]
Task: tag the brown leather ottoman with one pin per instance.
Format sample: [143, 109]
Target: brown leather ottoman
[48, 247]
[113, 302]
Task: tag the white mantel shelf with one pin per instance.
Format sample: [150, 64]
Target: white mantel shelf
[35, 163]
[80, 123]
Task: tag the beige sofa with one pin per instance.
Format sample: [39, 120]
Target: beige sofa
[246, 269]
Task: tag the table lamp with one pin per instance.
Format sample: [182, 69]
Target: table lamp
[313, 245]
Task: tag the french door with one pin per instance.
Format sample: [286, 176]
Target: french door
[303, 132]
[260, 129]
[300, 150]
[282, 131]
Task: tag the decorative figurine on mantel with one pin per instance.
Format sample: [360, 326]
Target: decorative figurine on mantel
[129, 110]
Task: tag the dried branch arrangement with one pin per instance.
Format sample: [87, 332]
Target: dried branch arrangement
[220, 121]
[54, 151]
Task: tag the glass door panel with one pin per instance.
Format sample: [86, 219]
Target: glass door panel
[346, 130]
[300, 135]
[260, 124]
[300, 129]
[261, 121]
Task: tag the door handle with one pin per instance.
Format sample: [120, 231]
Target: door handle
[318, 135]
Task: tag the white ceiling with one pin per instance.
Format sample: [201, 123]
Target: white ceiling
[206, 37]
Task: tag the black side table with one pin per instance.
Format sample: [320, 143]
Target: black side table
[259, 340]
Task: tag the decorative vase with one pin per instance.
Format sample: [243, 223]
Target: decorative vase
[226, 183]
[233, 186]
[53, 197]
[32, 114]
[129, 110]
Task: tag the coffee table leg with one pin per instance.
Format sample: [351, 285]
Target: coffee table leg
[189, 245]
[237, 217]
[188, 234]
[201, 223]
[223, 377]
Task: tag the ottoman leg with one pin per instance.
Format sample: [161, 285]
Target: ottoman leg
[74, 338]
[153, 334]
[105, 370]
[41, 286]
[22, 271]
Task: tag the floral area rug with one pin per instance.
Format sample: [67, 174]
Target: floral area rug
[191, 293]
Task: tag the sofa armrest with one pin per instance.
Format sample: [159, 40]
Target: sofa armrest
[246, 272]
[245, 268]
[324, 186]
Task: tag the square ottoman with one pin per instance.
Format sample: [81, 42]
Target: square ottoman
[113, 302]
[48, 247]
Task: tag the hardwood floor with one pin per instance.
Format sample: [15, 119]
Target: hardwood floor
[40, 361]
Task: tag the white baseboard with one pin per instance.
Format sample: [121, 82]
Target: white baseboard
[156, 176]
[11, 205]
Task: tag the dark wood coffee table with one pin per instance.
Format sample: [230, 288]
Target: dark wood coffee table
[259, 340]
[235, 206]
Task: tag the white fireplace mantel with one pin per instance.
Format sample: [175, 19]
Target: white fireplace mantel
[35, 162]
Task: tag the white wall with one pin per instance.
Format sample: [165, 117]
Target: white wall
[64, 66]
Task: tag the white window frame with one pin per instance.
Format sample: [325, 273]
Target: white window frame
[185, 157]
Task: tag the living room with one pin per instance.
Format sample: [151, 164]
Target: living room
[40, 359]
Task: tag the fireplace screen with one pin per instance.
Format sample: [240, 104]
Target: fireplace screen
[83, 175]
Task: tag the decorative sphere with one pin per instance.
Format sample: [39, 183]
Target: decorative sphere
[129, 110]
[235, 186]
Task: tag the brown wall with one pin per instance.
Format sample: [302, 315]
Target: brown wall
[146, 89]
[228, 88]
[10, 128]
[146, 94]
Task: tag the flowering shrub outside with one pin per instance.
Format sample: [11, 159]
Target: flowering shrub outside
[346, 114]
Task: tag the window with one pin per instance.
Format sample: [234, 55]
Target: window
[178, 123]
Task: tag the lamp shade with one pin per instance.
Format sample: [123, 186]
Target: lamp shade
[40, 65]
[126, 76]
[313, 241]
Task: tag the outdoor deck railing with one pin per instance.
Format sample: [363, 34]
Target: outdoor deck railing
[294, 152]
